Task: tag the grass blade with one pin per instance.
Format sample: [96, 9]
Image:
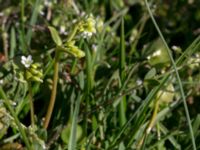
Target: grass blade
[72, 139]
[33, 21]
[177, 75]
[122, 113]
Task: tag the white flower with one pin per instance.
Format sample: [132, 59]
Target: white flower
[86, 34]
[139, 82]
[88, 27]
[1, 81]
[27, 61]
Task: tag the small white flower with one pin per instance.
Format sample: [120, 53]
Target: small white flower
[139, 82]
[27, 61]
[88, 27]
[86, 34]
[1, 81]
[148, 57]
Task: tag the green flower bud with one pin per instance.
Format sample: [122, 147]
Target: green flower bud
[37, 79]
[34, 71]
[74, 50]
[36, 65]
[40, 74]
[99, 24]
[28, 74]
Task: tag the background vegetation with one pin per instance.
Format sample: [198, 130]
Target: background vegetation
[126, 93]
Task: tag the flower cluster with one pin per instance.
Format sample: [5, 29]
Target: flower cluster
[88, 26]
[74, 50]
[32, 70]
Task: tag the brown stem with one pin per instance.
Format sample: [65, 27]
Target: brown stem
[54, 90]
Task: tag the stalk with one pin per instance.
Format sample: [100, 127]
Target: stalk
[53, 92]
[31, 104]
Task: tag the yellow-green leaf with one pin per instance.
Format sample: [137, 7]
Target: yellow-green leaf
[55, 36]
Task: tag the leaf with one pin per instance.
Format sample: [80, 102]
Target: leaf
[151, 74]
[55, 36]
[76, 130]
[65, 135]
[196, 125]
[152, 82]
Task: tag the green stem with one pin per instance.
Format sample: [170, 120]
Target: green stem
[55, 80]
[71, 36]
[9, 107]
[151, 122]
[31, 104]
[133, 47]
[122, 113]
[22, 13]
[89, 85]
[54, 90]
[22, 27]
[177, 76]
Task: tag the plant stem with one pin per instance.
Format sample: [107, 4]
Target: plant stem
[89, 85]
[54, 90]
[31, 104]
[22, 14]
[71, 36]
[177, 76]
[122, 65]
[151, 123]
[33, 21]
[133, 47]
[23, 43]
[55, 79]
[21, 129]
[5, 44]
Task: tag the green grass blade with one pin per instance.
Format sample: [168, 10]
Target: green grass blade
[12, 42]
[177, 75]
[182, 59]
[33, 21]
[196, 125]
[72, 138]
[89, 83]
[122, 56]
[141, 110]
[170, 138]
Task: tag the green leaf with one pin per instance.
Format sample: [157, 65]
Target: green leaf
[151, 74]
[152, 82]
[75, 132]
[65, 135]
[55, 36]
